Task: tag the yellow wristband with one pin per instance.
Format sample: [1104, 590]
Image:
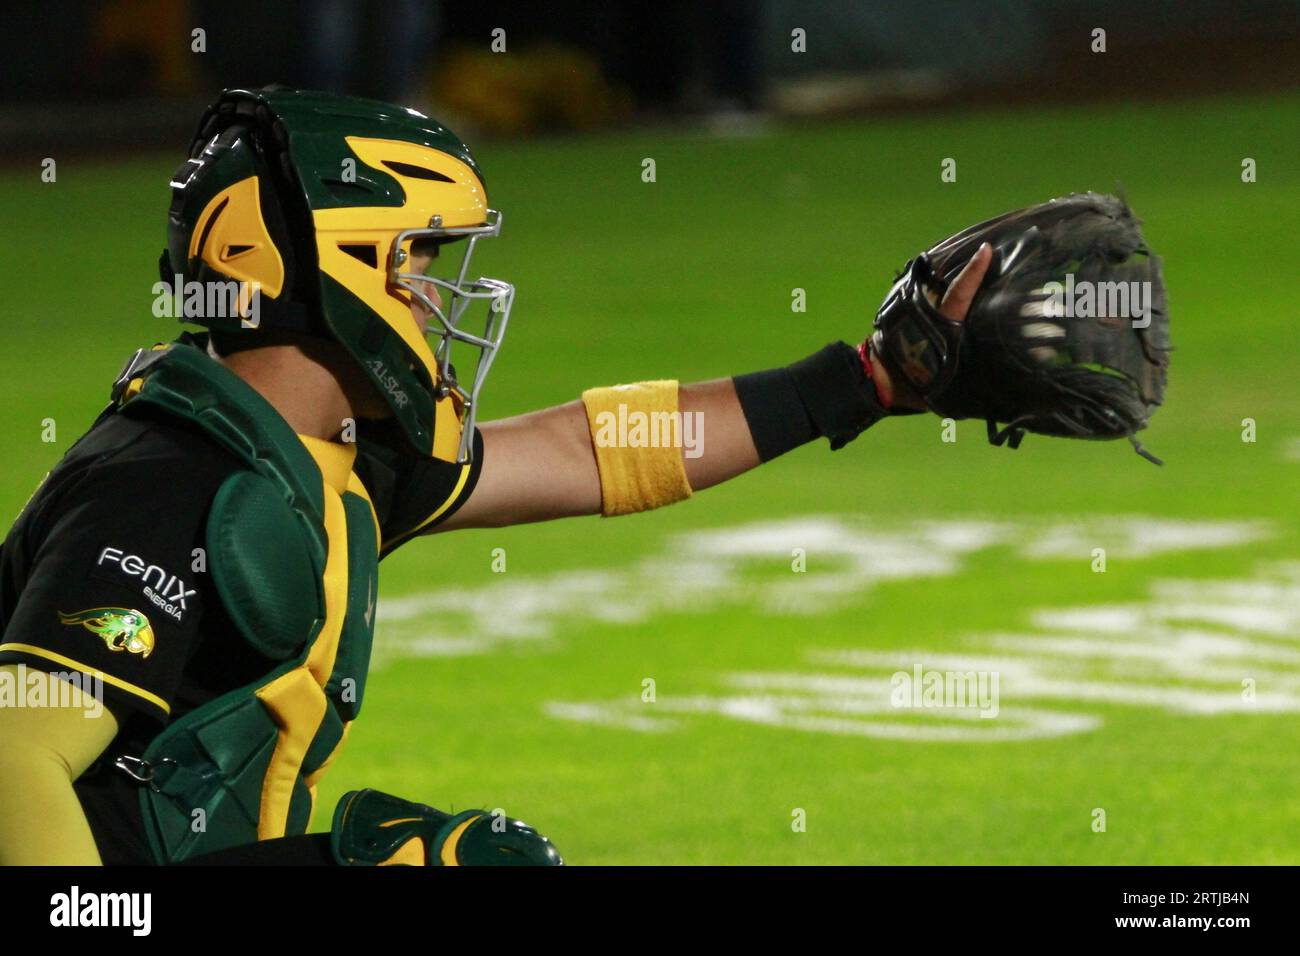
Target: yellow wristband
[637, 433]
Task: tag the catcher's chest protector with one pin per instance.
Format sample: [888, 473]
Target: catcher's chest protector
[295, 562]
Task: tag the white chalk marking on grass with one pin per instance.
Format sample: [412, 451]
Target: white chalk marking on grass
[1265, 606]
[705, 570]
[1185, 650]
[840, 715]
[1182, 654]
[609, 715]
[1046, 677]
[1140, 537]
[1136, 656]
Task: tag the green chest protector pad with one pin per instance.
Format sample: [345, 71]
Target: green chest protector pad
[243, 766]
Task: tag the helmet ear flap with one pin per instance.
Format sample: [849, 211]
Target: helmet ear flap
[253, 128]
[276, 175]
[287, 214]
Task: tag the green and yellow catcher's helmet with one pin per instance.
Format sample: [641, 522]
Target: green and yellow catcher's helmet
[310, 203]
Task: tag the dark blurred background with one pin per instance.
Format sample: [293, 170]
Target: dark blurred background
[131, 73]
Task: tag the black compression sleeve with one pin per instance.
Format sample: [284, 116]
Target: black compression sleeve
[826, 394]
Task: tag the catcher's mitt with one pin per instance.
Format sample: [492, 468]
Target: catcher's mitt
[1068, 335]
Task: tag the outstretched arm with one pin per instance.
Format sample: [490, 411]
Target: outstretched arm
[542, 465]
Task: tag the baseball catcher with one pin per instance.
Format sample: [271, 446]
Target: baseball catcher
[204, 559]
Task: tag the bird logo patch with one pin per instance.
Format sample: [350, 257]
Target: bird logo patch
[122, 628]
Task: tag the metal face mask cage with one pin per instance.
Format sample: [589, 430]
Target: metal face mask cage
[460, 293]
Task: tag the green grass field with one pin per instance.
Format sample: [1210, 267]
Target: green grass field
[1120, 691]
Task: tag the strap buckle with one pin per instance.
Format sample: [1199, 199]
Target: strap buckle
[185, 174]
[141, 771]
[140, 360]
